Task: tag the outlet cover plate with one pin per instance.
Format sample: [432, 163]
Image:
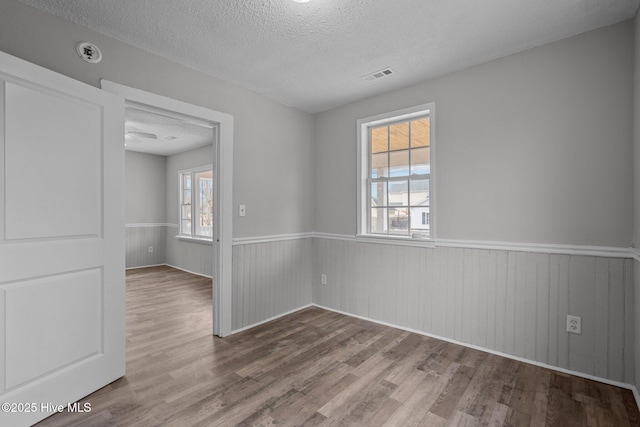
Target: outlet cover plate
[574, 324]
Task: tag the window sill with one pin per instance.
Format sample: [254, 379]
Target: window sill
[396, 240]
[201, 240]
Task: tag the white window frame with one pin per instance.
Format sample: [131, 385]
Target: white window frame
[192, 235]
[362, 168]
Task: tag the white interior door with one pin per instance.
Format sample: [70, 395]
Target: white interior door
[62, 326]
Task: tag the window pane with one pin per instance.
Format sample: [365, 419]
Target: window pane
[185, 207]
[398, 193]
[419, 192]
[420, 132]
[378, 194]
[399, 136]
[420, 159]
[399, 220]
[379, 165]
[204, 205]
[379, 139]
[420, 220]
[399, 161]
[378, 220]
[186, 212]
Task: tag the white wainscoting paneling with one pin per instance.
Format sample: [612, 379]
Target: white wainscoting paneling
[139, 237]
[270, 278]
[193, 256]
[513, 302]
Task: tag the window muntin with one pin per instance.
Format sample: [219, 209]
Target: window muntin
[398, 177]
[196, 203]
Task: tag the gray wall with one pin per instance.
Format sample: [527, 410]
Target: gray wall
[534, 147]
[138, 240]
[145, 209]
[531, 148]
[146, 192]
[636, 133]
[272, 142]
[190, 256]
[636, 192]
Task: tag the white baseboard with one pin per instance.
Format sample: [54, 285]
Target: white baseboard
[145, 266]
[253, 325]
[172, 266]
[188, 271]
[497, 353]
[150, 224]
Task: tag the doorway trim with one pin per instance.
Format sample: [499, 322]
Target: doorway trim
[223, 161]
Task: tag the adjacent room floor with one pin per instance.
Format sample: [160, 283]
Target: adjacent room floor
[316, 367]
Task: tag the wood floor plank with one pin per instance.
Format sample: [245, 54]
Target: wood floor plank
[446, 403]
[317, 367]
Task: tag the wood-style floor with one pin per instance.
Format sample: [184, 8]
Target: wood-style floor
[316, 367]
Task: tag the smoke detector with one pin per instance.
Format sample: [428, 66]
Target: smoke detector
[89, 52]
[378, 74]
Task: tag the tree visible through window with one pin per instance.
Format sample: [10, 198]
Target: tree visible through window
[196, 203]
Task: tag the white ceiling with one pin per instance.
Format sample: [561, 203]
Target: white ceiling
[313, 55]
[152, 133]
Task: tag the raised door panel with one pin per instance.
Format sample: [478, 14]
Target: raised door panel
[58, 317]
[52, 164]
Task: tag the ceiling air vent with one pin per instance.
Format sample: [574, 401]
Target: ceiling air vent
[378, 74]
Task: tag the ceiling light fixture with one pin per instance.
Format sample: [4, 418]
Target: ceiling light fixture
[142, 134]
[301, 1]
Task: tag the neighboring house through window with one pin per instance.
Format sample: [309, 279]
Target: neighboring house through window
[395, 191]
[196, 203]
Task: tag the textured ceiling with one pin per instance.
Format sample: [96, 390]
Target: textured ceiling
[313, 55]
[152, 133]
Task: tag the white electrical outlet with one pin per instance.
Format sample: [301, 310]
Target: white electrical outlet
[323, 279]
[574, 324]
[150, 249]
[242, 210]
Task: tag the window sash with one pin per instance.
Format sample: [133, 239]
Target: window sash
[367, 184]
[408, 206]
[196, 220]
[203, 224]
[390, 179]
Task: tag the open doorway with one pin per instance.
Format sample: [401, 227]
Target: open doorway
[160, 117]
[169, 219]
[169, 163]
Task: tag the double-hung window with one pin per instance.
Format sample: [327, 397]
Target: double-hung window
[196, 203]
[395, 167]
